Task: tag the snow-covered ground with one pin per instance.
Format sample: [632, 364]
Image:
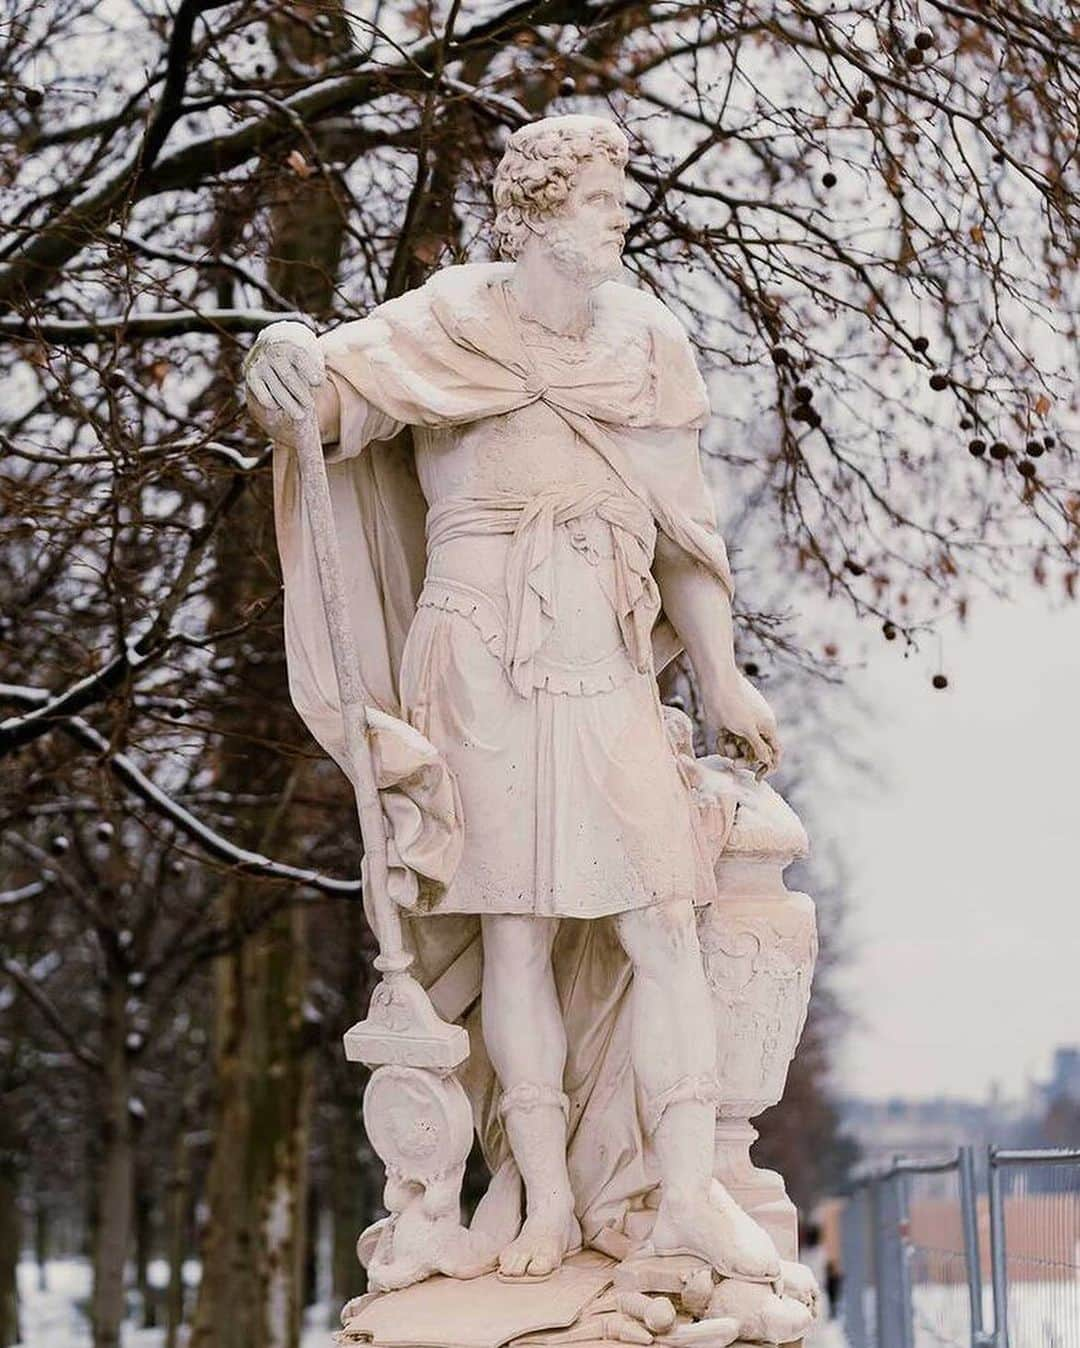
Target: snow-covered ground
[58, 1317]
[1041, 1315]
[826, 1334]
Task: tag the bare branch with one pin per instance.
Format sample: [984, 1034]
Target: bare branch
[11, 897]
[243, 860]
[34, 994]
[136, 327]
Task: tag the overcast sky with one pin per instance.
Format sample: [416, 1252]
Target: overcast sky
[963, 859]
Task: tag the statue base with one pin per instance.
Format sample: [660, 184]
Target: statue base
[592, 1299]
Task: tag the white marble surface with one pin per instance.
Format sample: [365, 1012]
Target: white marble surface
[507, 537]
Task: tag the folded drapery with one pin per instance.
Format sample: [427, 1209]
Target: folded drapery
[420, 806]
[530, 583]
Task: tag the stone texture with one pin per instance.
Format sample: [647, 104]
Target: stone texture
[495, 532]
[481, 1313]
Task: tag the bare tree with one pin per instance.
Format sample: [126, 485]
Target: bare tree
[866, 216]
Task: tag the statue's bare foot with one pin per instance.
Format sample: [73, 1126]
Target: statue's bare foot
[548, 1236]
[716, 1229]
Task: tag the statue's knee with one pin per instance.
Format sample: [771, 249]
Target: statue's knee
[517, 949]
[660, 939]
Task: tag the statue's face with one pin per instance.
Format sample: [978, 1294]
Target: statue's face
[586, 237]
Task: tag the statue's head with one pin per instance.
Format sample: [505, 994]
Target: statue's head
[560, 187]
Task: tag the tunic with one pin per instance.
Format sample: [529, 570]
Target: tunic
[497, 491]
[529, 665]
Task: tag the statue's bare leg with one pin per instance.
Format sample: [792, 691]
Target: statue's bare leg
[526, 1042]
[674, 1052]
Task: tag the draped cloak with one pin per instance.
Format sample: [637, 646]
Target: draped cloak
[449, 354]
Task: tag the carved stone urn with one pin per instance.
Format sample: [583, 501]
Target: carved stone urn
[759, 942]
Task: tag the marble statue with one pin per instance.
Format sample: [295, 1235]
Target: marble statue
[494, 533]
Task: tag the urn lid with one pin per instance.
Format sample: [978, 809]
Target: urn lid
[765, 824]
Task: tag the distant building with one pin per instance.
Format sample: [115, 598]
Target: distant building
[1064, 1084]
[927, 1129]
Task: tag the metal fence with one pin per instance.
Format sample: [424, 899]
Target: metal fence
[966, 1252]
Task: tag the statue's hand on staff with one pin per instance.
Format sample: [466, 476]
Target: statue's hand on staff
[744, 724]
[282, 372]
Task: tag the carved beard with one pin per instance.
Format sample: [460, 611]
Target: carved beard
[570, 257]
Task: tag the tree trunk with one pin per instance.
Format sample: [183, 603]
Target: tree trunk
[253, 1248]
[356, 1198]
[9, 1231]
[176, 1219]
[356, 1173]
[312, 1233]
[41, 1243]
[144, 1238]
[112, 1234]
[253, 1253]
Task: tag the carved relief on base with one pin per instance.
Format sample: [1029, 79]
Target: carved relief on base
[420, 1126]
[759, 954]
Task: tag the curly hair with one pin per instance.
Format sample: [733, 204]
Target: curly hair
[537, 172]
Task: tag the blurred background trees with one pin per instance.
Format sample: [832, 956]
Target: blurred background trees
[867, 217]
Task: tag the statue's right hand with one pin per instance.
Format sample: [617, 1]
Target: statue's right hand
[281, 373]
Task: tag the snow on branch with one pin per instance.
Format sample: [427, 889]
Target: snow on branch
[10, 897]
[188, 447]
[177, 323]
[16, 731]
[209, 841]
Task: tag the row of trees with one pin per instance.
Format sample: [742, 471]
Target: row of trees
[864, 216]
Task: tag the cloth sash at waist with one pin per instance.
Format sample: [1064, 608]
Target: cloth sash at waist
[532, 607]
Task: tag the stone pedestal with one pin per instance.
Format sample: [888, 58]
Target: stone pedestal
[759, 943]
[590, 1301]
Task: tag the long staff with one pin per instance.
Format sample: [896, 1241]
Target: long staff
[393, 955]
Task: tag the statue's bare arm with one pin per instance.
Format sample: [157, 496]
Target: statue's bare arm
[698, 607]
